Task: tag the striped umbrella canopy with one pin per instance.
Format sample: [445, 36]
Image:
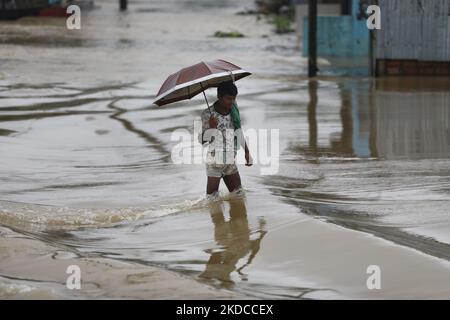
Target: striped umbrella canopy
[190, 81]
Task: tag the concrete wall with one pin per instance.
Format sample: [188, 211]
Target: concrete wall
[339, 36]
[301, 11]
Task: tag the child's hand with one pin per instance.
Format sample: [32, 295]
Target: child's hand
[213, 122]
[248, 159]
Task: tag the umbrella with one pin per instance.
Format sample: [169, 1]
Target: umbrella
[190, 81]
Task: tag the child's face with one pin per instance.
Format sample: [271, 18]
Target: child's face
[227, 101]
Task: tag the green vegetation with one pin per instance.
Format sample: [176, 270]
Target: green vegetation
[280, 12]
[231, 34]
[282, 24]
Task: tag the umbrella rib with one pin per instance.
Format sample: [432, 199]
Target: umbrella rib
[204, 94]
[206, 65]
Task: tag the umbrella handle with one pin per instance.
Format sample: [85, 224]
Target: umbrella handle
[232, 76]
[205, 98]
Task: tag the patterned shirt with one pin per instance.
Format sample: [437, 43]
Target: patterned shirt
[223, 149]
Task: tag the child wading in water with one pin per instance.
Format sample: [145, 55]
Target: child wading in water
[221, 128]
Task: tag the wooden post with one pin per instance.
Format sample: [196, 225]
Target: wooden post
[312, 115]
[123, 4]
[346, 7]
[312, 38]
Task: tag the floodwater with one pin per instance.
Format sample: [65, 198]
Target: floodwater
[86, 171]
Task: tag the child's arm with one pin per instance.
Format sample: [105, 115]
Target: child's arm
[208, 122]
[248, 157]
[243, 143]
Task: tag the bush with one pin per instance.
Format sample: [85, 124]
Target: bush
[232, 34]
[282, 24]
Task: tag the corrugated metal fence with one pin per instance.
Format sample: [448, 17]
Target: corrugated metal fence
[414, 30]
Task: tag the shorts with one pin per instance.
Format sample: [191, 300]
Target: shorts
[221, 170]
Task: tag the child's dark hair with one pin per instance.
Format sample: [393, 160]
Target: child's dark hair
[227, 88]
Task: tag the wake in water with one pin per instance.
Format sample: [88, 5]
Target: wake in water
[239, 193]
[37, 216]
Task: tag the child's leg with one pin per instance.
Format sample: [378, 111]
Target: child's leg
[213, 185]
[233, 181]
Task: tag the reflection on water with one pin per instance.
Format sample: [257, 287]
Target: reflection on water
[234, 240]
[413, 125]
[377, 122]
